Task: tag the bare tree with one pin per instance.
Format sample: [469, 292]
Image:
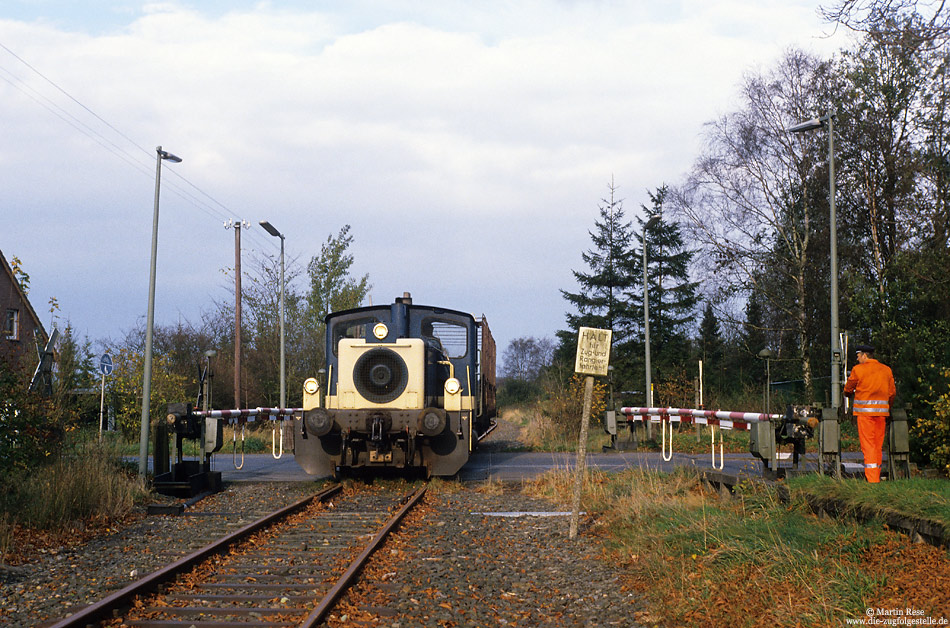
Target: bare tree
[754, 202]
[261, 294]
[867, 16]
[886, 78]
[525, 357]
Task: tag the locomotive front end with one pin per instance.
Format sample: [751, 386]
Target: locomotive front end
[400, 392]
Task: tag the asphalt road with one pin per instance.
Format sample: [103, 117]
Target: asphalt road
[515, 466]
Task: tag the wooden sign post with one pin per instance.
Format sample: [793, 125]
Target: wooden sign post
[593, 356]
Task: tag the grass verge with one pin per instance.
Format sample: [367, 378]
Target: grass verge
[925, 497]
[750, 560]
[88, 484]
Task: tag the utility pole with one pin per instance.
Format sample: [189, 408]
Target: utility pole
[236, 225]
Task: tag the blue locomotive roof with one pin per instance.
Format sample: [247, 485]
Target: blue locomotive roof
[387, 308]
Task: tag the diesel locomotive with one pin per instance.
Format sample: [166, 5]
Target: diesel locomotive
[406, 387]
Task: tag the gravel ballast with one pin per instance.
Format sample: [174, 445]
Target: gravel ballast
[469, 556]
[57, 580]
[489, 556]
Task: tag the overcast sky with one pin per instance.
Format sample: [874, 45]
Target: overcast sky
[467, 143]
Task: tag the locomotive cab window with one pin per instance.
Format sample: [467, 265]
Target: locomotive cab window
[359, 328]
[451, 335]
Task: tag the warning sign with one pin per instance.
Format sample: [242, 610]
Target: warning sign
[593, 351]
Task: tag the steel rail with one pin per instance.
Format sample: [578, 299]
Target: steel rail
[102, 610]
[491, 429]
[335, 593]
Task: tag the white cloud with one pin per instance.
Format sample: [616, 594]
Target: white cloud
[467, 144]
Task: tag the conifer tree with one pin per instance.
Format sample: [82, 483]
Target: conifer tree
[673, 298]
[754, 338]
[711, 350]
[601, 302]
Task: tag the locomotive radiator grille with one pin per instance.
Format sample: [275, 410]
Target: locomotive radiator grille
[380, 375]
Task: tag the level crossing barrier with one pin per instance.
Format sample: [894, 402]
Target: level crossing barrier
[715, 419]
[249, 415]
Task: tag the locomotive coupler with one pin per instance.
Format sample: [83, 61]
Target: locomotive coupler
[379, 425]
[379, 448]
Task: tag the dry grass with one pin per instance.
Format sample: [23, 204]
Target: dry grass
[445, 486]
[86, 485]
[540, 433]
[752, 560]
[490, 487]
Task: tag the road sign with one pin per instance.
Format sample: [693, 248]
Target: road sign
[105, 364]
[593, 351]
[593, 357]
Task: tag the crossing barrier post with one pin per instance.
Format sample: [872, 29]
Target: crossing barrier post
[898, 445]
[829, 443]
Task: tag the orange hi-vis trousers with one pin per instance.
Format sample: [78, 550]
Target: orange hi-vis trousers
[871, 431]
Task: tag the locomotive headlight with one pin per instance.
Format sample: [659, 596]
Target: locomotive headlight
[453, 395]
[311, 393]
[380, 331]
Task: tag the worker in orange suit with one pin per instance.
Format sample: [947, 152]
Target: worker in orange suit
[871, 385]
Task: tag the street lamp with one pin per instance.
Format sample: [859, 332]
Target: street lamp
[150, 319]
[269, 228]
[646, 313]
[767, 354]
[810, 125]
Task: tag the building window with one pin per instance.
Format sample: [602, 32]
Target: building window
[11, 325]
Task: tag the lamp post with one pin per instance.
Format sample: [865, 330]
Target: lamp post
[767, 354]
[269, 228]
[810, 125]
[150, 317]
[646, 314]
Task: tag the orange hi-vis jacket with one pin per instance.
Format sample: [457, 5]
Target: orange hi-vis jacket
[873, 386]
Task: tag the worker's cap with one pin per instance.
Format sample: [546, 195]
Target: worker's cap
[864, 348]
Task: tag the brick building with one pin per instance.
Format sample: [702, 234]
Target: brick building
[20, 327]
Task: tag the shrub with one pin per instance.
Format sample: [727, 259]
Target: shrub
[513, 392]
[125, 389]
[932, 431]
[87, 482]
[31, 427]
[565, 404]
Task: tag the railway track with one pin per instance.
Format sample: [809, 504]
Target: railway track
[286, 569]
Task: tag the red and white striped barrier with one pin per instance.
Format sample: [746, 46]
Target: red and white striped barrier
[249, 415]
[715, 418]
[721, 418]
